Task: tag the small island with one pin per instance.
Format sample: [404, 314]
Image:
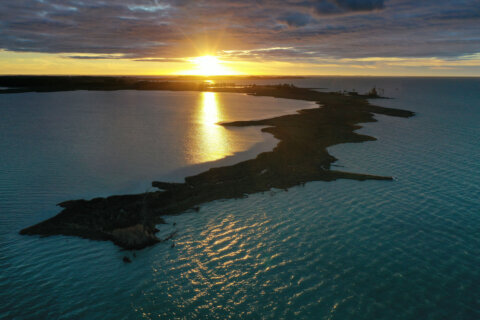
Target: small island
[301, 156]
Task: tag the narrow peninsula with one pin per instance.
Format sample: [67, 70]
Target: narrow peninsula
[301, 156]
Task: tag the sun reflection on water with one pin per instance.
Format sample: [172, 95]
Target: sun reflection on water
[211, 139]
[209, 108]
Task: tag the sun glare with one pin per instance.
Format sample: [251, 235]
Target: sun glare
[209, 66]
[210, 140]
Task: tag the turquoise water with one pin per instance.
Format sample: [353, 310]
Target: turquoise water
[407, 249]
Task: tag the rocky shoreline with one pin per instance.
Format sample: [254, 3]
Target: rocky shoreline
[301, 156]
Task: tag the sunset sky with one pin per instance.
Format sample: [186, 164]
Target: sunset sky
[293, 37]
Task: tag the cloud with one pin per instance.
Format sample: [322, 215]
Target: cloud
[360, 5]
[171, 30]
[295, 19]
[176, 60]
[336, 7]
[97, 57]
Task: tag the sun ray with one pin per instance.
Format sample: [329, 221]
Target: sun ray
[209, 66]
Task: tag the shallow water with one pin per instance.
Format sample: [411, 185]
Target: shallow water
[407, 249]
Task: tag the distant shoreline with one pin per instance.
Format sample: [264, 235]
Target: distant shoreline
[300, 156]
[23, 84]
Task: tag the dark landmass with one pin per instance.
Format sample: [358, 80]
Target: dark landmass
[301, 156]
[21, 84]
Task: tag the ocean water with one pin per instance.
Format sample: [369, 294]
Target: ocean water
[407, 249]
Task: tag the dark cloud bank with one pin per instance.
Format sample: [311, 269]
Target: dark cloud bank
[263, 29]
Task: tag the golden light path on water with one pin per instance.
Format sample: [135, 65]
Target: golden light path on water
[211, 140]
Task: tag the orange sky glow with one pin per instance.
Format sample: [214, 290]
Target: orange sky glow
[209, 65]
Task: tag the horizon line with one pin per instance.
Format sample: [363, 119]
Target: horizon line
[239, 76]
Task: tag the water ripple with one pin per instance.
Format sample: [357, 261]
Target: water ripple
[407, 249]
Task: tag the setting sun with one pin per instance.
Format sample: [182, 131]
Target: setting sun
[209, 66]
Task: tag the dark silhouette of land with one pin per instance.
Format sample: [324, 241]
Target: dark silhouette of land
[19, 84]
[300, 156]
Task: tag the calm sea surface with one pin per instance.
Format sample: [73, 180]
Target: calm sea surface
[408, 249]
